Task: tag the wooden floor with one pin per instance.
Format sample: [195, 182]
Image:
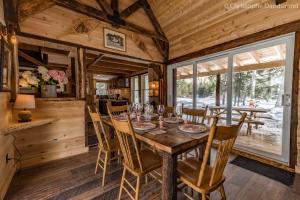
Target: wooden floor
[74, 178]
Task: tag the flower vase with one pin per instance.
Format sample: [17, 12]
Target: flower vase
[48, 91]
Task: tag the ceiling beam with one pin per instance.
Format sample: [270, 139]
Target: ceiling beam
[149, 12]
[277, 2]
[105, 6]
[94, 61]
[115, 6]
[48, 50]
[163, 46]
[101, 72]
[119, 61]
[30, 58]
[118, 66]
[130, 9]
[102, 16]
[114, 67]
[102, 69]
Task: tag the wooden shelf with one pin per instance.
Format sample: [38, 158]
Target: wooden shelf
[13, 127]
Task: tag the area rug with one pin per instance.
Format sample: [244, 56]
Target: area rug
[280, 175]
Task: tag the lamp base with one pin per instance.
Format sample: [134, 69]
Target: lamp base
[24, 116]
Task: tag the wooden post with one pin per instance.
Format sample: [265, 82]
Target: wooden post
[15, 72]
[218, 90]
[81, 74]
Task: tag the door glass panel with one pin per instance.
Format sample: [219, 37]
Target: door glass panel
[258, 86]
[184, 86]
[211, 82]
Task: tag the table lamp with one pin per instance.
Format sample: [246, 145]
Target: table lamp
[24, 102]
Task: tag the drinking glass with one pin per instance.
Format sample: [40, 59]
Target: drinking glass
[160, 110]
[178, 111]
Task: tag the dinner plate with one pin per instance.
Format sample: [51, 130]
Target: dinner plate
[143, 126]
[173, 120]
[192, 128]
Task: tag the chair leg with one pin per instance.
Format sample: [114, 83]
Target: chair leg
[222, 192]
[203, 196]
[137, 188]
[97, 162]
[106, 160]
[122, 183]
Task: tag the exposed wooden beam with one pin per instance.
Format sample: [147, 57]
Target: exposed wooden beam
[105, 6]
[101, 72]
[118, 66]
[150, 14]
[30, 58]
[11, 15]
[94, 61]
[163, 46]
[102, 69]
[119, 61]
[130, 9]
[115, 6]
[277, 2]
[55, 51]
[273, 64]
[113, 67]
[102, 16]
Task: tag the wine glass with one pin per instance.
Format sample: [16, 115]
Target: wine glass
[160, 110]
[148, 111]
[178, 112]
[138, 109]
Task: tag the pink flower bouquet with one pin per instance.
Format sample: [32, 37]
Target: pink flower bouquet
[51, 77]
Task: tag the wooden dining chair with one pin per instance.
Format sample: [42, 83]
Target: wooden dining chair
[196, 116]
[110, 148]
[138, 162]
[199, 175]
[116, 110]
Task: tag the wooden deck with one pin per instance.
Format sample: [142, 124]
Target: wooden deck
[74, 178]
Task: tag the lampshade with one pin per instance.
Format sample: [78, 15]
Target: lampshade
[25, 102]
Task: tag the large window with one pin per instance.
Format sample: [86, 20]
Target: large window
[255, 79]
[101, 88]
[145, 88]
[135, 89]
[184, 86]
[140, 89]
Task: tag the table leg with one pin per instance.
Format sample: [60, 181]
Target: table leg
[169, 185]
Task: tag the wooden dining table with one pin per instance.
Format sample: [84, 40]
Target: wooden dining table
[169, 145]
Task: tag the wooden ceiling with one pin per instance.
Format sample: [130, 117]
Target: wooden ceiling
[193, 25]
[187, 25]
[269, 57]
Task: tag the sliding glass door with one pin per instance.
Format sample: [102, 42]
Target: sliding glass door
[255, 79]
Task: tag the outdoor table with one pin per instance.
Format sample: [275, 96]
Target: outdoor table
[170, 145]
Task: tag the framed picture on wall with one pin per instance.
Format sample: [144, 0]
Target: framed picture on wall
[114, 40]
[5, 66]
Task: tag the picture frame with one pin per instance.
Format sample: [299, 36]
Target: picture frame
[5, 66]
[114, 40]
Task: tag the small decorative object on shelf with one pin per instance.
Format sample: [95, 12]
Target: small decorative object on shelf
[24, 102]
[49, 80]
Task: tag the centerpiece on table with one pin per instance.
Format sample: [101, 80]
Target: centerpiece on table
[49, 80]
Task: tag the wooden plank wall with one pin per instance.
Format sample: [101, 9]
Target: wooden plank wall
[297, 62]
[61, 139]
[194, 25]
[7, 170]
[57, 23]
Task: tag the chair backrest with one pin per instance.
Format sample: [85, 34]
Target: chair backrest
[126, 134]
[195, 115]
[116, 110]
[98, 125]
[225, 137]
